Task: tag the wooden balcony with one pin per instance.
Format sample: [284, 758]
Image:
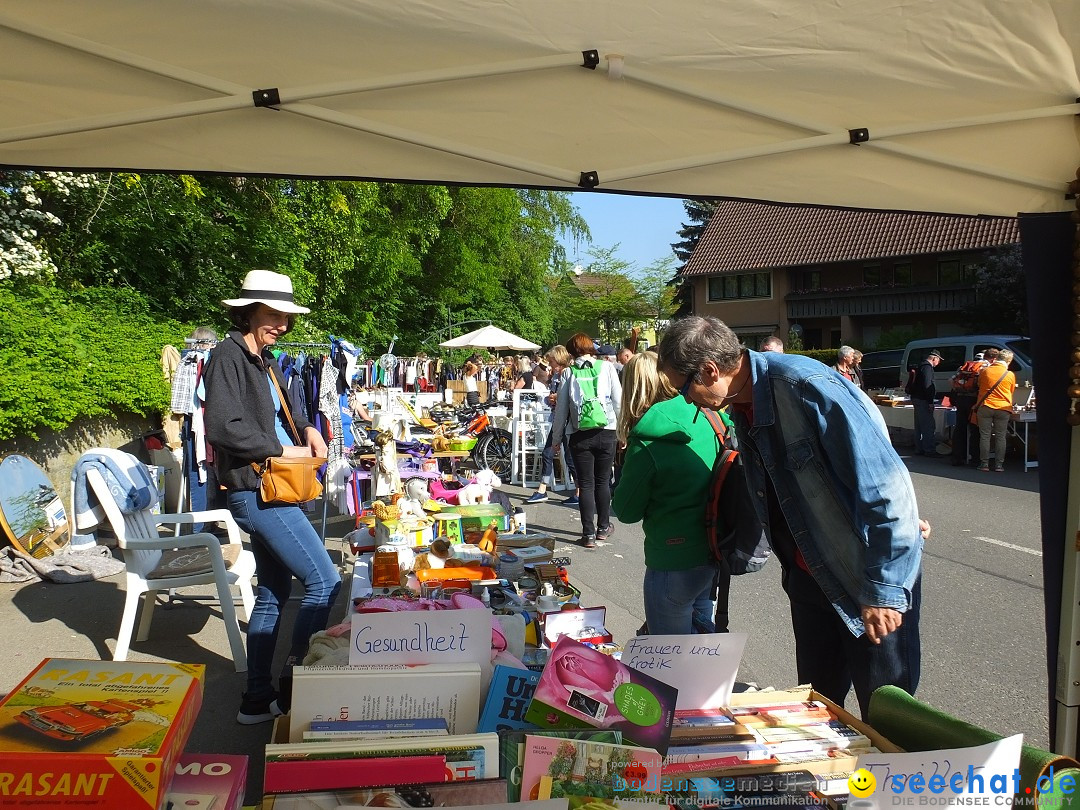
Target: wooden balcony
[879, 301]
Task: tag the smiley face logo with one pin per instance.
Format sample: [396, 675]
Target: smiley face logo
[862, 783]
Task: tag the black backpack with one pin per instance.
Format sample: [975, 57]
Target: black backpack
[736, 538]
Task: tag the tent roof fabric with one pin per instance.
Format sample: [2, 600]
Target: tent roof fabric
[744, 236]
[490, 337]
[967, 106]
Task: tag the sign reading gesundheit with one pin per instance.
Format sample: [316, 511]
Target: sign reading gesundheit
[421, 637]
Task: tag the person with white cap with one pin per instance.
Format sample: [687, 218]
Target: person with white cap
[247, 422]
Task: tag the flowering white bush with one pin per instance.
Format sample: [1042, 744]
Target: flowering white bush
[22, 215]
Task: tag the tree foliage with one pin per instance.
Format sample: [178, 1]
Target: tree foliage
[1000, 295]
[698, 212]
[371, 260]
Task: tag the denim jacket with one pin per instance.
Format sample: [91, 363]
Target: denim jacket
[847, 497]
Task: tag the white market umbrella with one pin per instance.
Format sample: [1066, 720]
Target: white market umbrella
[490, 337]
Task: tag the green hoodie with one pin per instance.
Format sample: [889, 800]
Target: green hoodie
[665, 481]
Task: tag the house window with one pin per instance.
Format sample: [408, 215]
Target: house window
[902, 274]
[871, 275]
[948, 272]
[740, 285]
[811, 280]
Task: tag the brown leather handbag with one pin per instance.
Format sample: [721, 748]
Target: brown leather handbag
[286, 479]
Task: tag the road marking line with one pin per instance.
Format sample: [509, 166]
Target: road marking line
[1013, 546]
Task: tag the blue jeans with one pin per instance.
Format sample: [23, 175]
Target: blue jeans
[285, 545]
[679, 602]
[547, 473]
[594, 456]
[925, 441]
[831, 658]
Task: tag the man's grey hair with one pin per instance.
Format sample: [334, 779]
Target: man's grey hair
[845, 353]
[772, 344]
[689, 342]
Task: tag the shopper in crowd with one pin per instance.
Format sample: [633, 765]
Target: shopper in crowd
[558, 360]
[472, 391]
[625, 353]
[246, 423]
[772, 344]
[836, 500]
[524, 372]
[923, 391]
[591, 387]
[846, 366]
[507, 372]
[665, 481]
[963, 396]
[995, 407]
[856, 360]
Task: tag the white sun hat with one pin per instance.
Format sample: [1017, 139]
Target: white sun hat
[270, 288]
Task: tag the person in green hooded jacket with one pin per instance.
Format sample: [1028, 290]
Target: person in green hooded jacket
[665, 481]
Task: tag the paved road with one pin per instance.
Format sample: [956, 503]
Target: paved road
[983, 639]
[982, 619]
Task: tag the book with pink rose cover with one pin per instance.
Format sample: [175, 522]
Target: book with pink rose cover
[583, 687]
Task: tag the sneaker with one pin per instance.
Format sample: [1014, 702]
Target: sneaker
[604, 533]
[571, 501]
[983, 468]
[588, 541]
[999, 468]
[537, 497]
[253, 712]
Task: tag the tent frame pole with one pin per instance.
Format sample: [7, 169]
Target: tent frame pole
[1068, 658]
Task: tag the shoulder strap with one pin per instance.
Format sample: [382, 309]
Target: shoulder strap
[284, 406]
[992, 389]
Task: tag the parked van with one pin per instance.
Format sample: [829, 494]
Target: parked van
[958, 349]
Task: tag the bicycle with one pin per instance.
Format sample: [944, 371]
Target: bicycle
[494, 446]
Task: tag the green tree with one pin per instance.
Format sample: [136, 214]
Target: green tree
[605, 293]
[657, 294]
[1000, 295]
[698, 212]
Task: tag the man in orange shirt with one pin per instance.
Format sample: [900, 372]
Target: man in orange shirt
[996, 386]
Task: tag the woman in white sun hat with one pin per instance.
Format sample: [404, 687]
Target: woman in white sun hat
[246, 423]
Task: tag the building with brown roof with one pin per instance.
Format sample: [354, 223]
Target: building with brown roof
[843, 275]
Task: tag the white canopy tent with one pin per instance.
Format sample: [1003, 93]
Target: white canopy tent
[490, 337]
[959, 106]
[965, 106]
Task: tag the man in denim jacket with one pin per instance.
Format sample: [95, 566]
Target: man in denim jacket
[835, 499]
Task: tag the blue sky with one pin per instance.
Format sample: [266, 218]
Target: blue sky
[643, 227]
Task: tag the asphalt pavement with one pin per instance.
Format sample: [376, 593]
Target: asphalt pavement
[982, 626]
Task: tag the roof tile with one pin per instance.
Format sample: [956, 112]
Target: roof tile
[744, 235]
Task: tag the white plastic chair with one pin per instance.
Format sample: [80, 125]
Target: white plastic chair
[156, 563]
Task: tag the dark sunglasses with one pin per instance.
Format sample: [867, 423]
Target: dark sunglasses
[690, 380]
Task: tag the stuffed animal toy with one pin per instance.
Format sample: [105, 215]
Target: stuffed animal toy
[479, 489]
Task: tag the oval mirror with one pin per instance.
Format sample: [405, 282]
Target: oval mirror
[32, 515]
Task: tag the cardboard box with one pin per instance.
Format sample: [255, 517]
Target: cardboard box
[533, 554]
[384, 530]
[838, 763]
[96, 733]
[476, 518]
[572, 621]
[512, 542]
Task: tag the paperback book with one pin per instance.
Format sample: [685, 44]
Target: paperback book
[512, 751]
[450, 794]
[386, 692]
[582, 686]
[556, 769]
[508, 699]
[375, 729]
[296, 775]
[468, 756]
[100, 733]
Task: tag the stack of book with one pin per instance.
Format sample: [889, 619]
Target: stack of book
[356, 727]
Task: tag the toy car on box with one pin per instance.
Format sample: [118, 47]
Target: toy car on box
[77, 721]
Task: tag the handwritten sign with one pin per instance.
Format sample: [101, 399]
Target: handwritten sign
[947, 778]
[421, 637]
[701, 666]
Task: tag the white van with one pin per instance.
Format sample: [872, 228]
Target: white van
[958, 349]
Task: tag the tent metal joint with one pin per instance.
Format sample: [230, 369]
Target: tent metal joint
[589, 180]
[270, 97]
[857, 136]
[590, 59]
